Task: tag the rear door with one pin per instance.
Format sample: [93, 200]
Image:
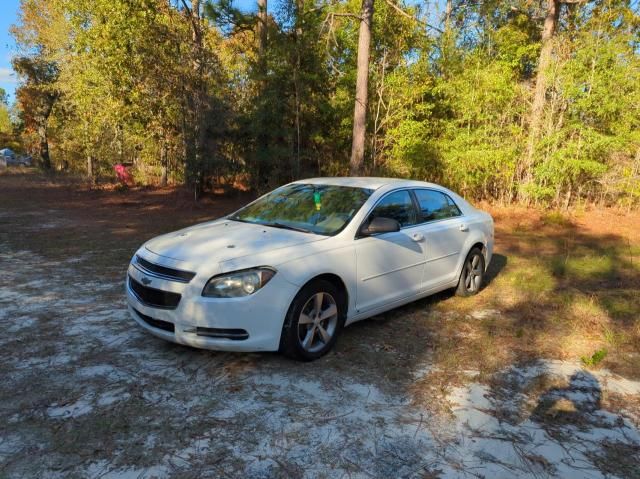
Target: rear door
[445, 232]
[390, 265]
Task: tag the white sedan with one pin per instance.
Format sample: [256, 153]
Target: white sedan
[290, 270]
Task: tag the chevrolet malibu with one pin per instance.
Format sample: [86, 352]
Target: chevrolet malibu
[290, 270]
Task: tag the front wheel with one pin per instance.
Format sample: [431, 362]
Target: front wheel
[472, 274]
[313, 321]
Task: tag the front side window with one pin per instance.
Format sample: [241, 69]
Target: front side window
[397, 206]
[319, 209]
[435, 205]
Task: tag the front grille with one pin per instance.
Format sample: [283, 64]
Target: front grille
[157, 323]
[163, 272]
[154, 297]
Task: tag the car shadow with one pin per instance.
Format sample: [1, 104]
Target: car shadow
[497, 264]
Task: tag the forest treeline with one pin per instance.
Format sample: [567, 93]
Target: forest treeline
[518, 100]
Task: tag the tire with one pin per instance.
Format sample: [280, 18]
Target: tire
[472, 275]
[305, 335]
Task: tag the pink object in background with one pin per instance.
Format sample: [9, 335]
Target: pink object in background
[123, 174]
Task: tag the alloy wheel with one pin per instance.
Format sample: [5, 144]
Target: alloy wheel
[317, 322]
[473, 273]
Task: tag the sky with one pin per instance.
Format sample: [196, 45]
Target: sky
[8, 16]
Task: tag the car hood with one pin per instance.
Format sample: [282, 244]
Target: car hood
[222, 240]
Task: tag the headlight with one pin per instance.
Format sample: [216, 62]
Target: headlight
[238, 283]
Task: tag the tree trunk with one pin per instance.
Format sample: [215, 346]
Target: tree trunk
[447, 15]
[376, 126]
[119, 143]
[362, 81]
[262, 28]
[537, 107]
[91, 174]
[197, 67]
[44, 146]
[195, 101]
[261, 167]
[296, 82]
[164, 163]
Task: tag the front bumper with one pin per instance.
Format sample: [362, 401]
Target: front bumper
[260, 315]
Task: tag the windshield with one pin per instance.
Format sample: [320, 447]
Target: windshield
[319, 209]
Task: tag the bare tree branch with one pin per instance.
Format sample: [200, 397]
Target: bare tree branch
[411, 17]
[186, 7]
[352, 15]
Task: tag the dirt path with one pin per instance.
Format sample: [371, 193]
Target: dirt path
[86, 393]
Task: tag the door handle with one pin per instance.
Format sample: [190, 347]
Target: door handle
[417, 237]
[464, 227]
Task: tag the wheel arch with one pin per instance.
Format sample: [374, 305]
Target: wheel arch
[476, 242]
[482, 247]
[340, 285]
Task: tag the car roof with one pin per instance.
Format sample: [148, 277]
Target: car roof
[366, 182]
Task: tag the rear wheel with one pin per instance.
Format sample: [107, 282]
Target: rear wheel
[313, 321]
[472, 274]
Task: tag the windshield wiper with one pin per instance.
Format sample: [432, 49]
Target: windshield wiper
[273, 224]
[286, 227]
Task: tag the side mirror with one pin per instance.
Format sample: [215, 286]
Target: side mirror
[379, 225]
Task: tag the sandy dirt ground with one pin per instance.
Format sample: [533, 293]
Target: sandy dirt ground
[84, 392]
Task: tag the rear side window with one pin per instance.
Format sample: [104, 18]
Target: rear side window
[398, 206]
[435, 205]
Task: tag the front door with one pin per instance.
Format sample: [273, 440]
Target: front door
[390, 265]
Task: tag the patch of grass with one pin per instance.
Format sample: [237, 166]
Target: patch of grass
[556, 218]
[527, 278]
[584, 267]
[543, 382]
[614, 338]
[595, 359]
[622, 304]
[586, 313]
[521, 227]
[561, 406]
[583, 305]
[631, 253]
